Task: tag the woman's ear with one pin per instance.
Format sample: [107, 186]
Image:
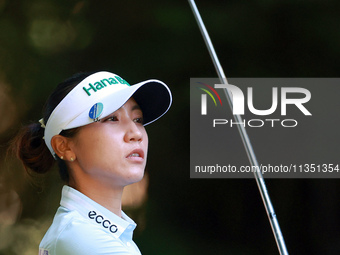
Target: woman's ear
[60, 145]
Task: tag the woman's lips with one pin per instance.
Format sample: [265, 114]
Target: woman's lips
[137, 154]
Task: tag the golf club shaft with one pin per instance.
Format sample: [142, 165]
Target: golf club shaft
[244, 136]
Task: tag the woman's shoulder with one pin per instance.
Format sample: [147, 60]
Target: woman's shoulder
[86, 239]
[70, 233]
[62, 223]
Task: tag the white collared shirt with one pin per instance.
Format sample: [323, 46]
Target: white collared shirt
[84, 227]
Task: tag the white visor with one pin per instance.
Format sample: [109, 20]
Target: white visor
[101, 94]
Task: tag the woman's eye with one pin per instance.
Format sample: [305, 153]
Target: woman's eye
[112, 118]
[138, 120]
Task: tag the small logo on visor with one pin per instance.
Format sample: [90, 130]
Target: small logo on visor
[95, 111]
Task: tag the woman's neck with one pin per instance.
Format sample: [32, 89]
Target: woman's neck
[105, 195]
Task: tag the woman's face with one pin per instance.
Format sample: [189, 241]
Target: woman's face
[113, 150]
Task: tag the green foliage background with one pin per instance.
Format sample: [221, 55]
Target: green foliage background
[44, 42]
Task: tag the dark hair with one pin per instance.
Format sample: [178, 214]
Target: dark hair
[29, 145]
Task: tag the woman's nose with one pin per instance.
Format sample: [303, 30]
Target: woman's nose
[133, 132]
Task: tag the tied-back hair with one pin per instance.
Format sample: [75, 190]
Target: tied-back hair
[29, 145]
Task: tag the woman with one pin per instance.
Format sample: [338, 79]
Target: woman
[93, 126]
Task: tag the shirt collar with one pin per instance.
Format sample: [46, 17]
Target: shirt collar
[95, 213]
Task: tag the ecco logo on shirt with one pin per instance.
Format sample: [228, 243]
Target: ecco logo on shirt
[100, 220]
